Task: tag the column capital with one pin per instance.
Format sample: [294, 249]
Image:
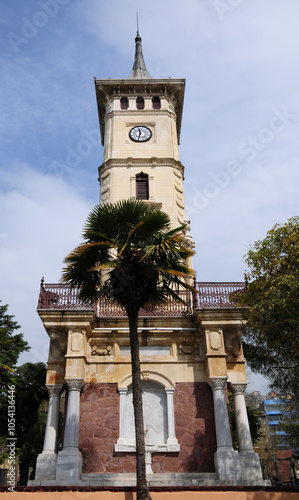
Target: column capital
[75, 384]
[54, 389]
[169, 390]
[238, 388]
[122, 390]
[218, 382]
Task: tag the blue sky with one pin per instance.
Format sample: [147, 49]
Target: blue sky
[239, 140]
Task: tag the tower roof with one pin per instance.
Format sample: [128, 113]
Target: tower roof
[139, 71]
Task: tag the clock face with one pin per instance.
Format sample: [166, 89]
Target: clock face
[140, 134]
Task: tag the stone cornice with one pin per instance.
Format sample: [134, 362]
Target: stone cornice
[142, 162]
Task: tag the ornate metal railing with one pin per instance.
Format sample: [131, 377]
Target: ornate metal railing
[59, 296]
[214, 295]
[210, 295]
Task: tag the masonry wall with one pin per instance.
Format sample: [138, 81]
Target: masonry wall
[195, 430]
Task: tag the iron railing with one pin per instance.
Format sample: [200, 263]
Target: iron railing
[210, 295]
[214, 295]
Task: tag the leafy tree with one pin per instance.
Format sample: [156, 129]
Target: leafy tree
[271, 300]
[132, 257]
[31, 391]
[11, 344]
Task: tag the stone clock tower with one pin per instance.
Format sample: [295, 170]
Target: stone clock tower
[140, 122]
[190, 352]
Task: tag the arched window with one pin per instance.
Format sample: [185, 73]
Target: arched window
[124, 103]
[156, 102]
[140, 103]
[142, 192]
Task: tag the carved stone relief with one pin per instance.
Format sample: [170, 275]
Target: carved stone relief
[189, 349]
[95, 351]
[233, 345]
[57, 346]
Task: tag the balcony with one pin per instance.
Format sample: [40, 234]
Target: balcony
[210, 296]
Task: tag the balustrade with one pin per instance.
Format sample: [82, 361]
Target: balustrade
[210, 295]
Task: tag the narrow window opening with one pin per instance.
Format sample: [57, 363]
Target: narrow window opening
[142, 192]
[124, 103]
[156, 102]
[140, 103]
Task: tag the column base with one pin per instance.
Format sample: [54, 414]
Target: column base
[69, 464]
[46, 465]
[250, 465]
[227, 464]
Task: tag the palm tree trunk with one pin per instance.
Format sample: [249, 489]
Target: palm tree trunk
[142, 489]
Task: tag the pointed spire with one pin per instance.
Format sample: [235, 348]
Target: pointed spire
[139, 70]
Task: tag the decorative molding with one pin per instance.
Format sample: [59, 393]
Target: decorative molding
[152, 375]
[58, 343]
[76, 341]
[218, 383]
[238, 388]
[233, 345]
[54, 389]
[154, 161]
[74, 384]
[101, 352]
[183, 350]
[215, 339]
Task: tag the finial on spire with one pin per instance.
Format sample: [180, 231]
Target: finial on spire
[139, 70]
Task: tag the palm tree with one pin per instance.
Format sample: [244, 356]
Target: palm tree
[130, 256]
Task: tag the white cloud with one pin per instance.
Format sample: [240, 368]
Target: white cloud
[42, 220]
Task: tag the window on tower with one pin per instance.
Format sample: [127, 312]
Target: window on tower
[140, 103]
[142, 192]
[156, 102]
[124, 103]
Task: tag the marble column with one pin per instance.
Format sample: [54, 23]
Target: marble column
[122, 440]
[47, 460]
[249, 460]
[226, 459]
[172, 442]
[69, 462]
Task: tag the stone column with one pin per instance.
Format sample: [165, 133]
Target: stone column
[226, 458]
[69, 462]
[172, 442]
[249, 460]
[122, 417]
[47, 460]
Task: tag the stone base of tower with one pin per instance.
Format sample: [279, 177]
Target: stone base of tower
[159, 480]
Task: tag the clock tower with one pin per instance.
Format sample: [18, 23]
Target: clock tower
[190, 351]
[140, 121]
